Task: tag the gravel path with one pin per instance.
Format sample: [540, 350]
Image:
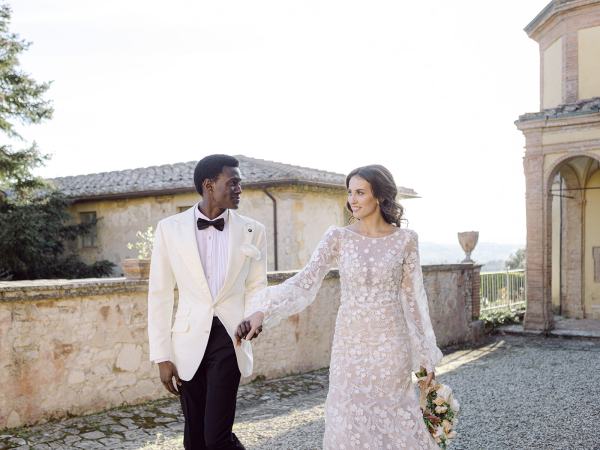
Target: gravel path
[530, 393]
[516, 393]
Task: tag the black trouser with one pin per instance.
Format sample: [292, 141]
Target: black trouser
[208, 399]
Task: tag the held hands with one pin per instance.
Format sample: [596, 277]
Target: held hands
[250, 327]
[168, 371]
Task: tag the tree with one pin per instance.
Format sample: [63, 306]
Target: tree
[33, 236]
[34, 222]
[516, 260]
[21, 99]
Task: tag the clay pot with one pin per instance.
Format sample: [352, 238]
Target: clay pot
[136, 269]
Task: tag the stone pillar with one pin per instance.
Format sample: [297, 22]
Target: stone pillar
[476, 292]
[537, 274]
[572, 255]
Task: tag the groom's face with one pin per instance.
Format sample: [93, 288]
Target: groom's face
[227, 188]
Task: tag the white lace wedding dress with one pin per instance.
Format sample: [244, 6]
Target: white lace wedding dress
[382, 334]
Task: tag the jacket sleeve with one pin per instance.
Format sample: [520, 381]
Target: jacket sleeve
[161, 294]
[416, 310]
[296, 293]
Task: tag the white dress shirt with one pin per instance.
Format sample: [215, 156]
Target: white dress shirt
[213, 247]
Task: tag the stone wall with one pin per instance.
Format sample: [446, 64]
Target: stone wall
[71, 347]
[303, 214]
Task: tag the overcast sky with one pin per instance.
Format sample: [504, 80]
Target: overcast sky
[429, 89]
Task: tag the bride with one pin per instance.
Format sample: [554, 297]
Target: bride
[383, 331]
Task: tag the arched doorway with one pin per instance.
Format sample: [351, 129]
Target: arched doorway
[574, 219]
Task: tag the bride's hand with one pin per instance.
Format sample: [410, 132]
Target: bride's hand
[429, 378]
[250, 327]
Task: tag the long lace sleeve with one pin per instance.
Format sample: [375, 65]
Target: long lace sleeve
[296, 293]
[416, 310]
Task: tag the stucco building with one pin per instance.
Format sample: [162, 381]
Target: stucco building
[296, 204]
[562, 166]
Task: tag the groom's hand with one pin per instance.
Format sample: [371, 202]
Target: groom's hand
[250, 327]
[168, 371]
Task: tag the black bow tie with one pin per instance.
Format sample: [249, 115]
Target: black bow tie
[219, 224]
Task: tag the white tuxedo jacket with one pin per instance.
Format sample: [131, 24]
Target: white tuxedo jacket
[175, 260]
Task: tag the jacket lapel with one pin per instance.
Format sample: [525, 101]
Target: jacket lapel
[235, 258]
[188, 249]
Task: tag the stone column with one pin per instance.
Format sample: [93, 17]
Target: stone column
[572, 254]
[476, 292]
[537, 275]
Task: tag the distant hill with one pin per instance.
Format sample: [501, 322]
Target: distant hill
[488, 253]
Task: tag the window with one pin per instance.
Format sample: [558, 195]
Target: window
[89, 239]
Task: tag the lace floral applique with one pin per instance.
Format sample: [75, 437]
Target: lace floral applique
[383, 333]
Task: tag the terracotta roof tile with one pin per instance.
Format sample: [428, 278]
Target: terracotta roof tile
[588, 106]
[179, 178]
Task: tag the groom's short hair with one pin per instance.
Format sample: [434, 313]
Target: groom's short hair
[210, 167]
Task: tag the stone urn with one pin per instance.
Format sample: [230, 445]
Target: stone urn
[136, 268]
[468, 241]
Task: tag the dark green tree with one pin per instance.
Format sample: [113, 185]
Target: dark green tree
[516, 260]
[22, 101]
[33, 236]
[34, 220]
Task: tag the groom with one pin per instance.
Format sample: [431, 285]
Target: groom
[217, 258]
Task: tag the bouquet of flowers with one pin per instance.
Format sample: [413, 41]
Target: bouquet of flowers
[439, 407]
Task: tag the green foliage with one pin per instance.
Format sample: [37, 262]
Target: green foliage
[16, 179]
[516, 260]
[5, 275]
[34, 222]
[21, 100]
[499, 317]
[421, 373]
[33, 237]
[22, 97]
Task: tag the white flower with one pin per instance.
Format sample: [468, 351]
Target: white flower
[439, 400]
[251, 251]
[444, 391]
[454, 404]
[447, 426]
[441, 409]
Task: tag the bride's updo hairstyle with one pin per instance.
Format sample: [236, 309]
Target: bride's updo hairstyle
[384, 189]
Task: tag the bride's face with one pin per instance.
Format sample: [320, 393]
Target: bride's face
[361, 198]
